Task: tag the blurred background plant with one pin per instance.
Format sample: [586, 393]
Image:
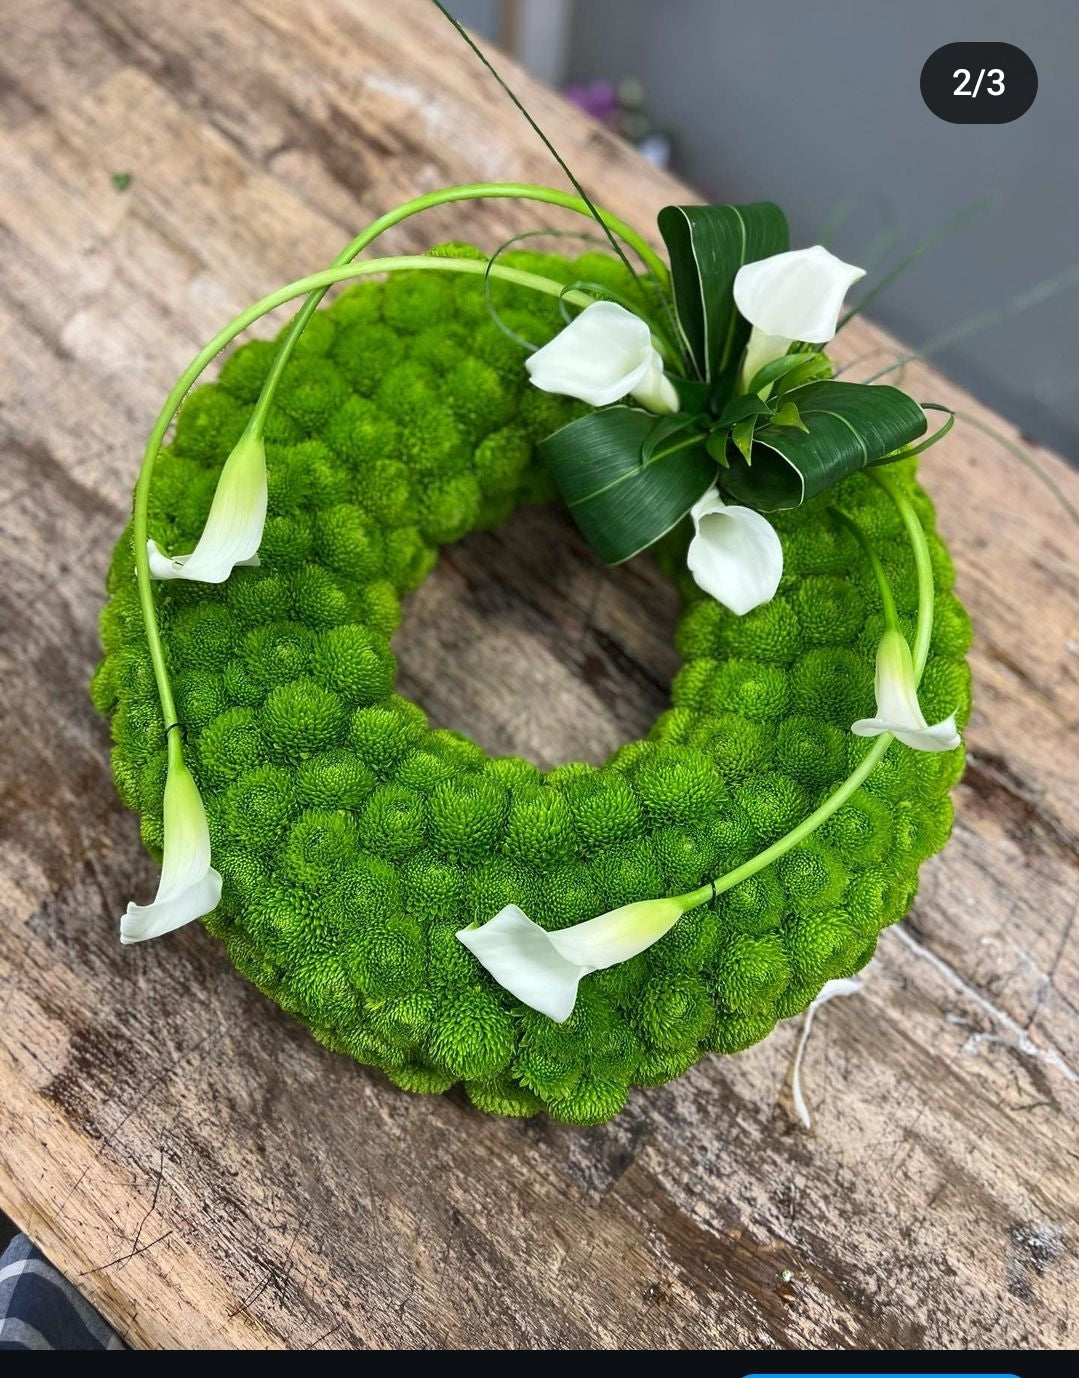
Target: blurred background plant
[818, 107]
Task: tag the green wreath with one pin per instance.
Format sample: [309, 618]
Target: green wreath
[357, 848]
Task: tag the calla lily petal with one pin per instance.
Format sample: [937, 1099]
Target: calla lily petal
[735, 554]
[941, 736]
[898, 709]
[189, 885]
[617, 935]
[604, 354]
[233, 530]
[791, 296]
[544, 969]
[520, 956]
[796, 295]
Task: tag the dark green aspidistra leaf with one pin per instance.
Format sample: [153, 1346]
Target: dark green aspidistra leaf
[848, 426]
[706, 246]
[621, 501]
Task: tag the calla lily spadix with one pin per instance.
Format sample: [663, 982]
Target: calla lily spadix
[189, 886]
[233, 530]
[543, 969]
[604, 354]
[735, 554]
[792, 296]
[898, 710]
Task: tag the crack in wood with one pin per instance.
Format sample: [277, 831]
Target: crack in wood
[1022, 1040]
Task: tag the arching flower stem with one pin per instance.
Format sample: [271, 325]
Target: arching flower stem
[923, 566]
[476, 191]
[315, 282]
[895, 683]
[809, 825]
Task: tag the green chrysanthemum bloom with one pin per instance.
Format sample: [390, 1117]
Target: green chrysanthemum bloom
[354, 663]
[678, 787]
[756, 905]
[388, 957]
[605, 809]
[301, 717]
[232, 744]
[674, 1011]
[466, 818]
[539, 827]
[475, 1036]
[755, 690]
[259, 805]
[277, 653]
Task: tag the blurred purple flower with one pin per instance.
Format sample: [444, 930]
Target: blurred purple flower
[598, 99]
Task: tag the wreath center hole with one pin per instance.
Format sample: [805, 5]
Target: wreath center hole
[523, 642]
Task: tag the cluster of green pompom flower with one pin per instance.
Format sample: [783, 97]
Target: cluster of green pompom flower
[355, 839]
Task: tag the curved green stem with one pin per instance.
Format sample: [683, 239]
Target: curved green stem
[923, 564]
[315, 282]
[469, 192]
[145, 587]
[891, 616]
[808, 825]
[922, 637]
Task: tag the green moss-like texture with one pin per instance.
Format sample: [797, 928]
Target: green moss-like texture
[354, 839]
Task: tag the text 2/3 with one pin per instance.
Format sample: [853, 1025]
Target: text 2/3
[958, 77]
[994, 82]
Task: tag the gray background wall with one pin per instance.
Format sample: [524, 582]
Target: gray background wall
[815, 104]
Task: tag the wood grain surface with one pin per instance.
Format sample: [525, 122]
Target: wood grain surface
[205, 1172]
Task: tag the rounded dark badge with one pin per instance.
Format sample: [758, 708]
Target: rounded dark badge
[979, 83]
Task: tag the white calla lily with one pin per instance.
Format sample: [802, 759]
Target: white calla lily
[189, 886]
[735, 554]
[898, 710]
[791, 296]
[604, 354]
[233, 530]
[543, 969]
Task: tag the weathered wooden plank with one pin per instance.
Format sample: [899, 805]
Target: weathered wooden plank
[208, 1173]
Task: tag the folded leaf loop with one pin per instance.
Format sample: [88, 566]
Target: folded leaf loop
[845, 427]
[621, 500]
[706, 246]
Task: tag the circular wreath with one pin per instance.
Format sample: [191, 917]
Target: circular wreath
[355, 841]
